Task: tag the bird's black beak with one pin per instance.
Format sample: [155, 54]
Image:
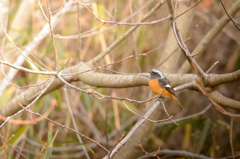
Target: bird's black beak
[150, 71]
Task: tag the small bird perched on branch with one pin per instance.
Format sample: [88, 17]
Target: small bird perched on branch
[160, 85]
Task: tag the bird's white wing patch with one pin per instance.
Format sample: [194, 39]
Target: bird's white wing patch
[168, 85]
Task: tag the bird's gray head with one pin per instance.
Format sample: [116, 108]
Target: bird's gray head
[155, 73]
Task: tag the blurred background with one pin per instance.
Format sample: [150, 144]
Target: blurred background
[206, 134]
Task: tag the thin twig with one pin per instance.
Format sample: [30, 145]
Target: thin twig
[154, 121]
[150, 155]
[58, 9]
[42, 10]
[186, 117]
[197, 53]
[116, 144]
[188, 9]
[64, 65]
[51, 32]
[176, 4]
[13, 147]
[22, 87]
[168, 114]
[40, 154]
[212, 67]
[230, 16]
[28, 70]
[78, 35]
[74, 122]
[9, 38]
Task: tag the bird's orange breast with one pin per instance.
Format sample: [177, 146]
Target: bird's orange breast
[156, 89]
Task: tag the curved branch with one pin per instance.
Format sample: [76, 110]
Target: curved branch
[101, 80]
[224, 101]
[214, 80]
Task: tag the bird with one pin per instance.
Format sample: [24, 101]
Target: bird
[160, 85]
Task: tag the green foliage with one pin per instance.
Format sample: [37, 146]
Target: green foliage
[204, 134]
[48, 152]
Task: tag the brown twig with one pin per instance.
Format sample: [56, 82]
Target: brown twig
[58, 9]
[40, 154]
[78, 35]
[6, 141]
[51, 32]
[176, 4]
[186, 117]
[150, 155]
[116, 144]
[212, 67]
[64, 66]
[154, 121]
[74, 122]
[230, 16]
[197, 53]
[188, 9]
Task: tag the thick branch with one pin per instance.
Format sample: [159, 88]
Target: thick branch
[100, 80]
[214, 80]
[224, 101]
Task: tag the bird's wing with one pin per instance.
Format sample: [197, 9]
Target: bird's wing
[165, 83]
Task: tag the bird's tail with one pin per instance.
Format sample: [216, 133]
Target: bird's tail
[173, 96]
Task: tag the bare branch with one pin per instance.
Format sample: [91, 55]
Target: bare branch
[74, 122]
[188, 9]
[51, 33]
[150, 155]
[230, 16]
[212, 67]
